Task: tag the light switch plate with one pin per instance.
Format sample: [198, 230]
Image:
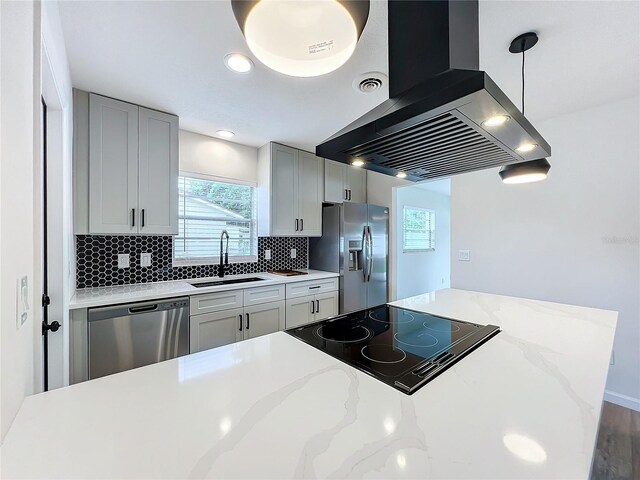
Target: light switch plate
[464, 256]
[22, 301]
[293, 253]
[267, 254]
[145, 259]
[123, 260]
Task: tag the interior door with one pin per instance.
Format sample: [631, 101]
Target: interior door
[212, 330]
[113, 166]
[158, 172]
[264, 319]
[310, 193]
[379, 228]
[353, 288]
[284, 190]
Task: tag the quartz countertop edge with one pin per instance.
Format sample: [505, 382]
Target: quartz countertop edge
[525, 405]
[101, 296]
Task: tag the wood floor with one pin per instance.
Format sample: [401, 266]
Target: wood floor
[617, 454]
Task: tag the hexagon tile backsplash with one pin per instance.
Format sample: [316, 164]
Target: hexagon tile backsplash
[97, 259]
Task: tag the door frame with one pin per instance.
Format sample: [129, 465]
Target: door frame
[59, 226]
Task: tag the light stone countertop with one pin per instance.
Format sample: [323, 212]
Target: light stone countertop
[525, 405]
[100, 296]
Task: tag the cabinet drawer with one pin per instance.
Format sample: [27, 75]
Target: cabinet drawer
[216, 302]
[311, 287]
[258, 295]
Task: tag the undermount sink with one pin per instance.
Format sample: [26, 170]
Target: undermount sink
[216, 283]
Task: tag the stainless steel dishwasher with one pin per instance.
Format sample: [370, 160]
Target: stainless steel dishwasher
[123, 337]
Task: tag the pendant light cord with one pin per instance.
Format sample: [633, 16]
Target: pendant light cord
[523, 78]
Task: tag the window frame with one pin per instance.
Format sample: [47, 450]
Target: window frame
[432, 235]
[195, 261]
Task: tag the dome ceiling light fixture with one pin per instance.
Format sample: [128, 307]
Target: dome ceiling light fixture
[302, 38]
[532, 170]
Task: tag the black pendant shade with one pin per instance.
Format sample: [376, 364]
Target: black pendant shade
[525, 172]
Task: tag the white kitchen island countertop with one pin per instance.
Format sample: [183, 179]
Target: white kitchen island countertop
[524, 405]
[100, 296]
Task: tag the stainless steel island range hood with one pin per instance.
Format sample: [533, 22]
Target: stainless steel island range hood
[444, 116]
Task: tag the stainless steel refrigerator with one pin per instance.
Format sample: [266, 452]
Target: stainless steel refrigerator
[354, 243]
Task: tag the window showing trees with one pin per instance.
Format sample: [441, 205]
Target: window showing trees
[206, 208]
[418, 229]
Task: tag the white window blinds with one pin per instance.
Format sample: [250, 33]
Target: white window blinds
[208, 207]
[418, 229]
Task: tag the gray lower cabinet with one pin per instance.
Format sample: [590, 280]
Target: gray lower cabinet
[215, 329]
[311, 308]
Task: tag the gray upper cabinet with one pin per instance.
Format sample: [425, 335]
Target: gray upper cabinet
[290, 192]
[125, 164]
[158, 167]
[343, 183]
[113, 166]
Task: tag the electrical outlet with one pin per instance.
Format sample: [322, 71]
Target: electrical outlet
[464, 256]
[123, 260]
[22, 301]
[145, 259]
[293, 253]
[267, 254]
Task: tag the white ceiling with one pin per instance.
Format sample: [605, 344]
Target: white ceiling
[169, 55]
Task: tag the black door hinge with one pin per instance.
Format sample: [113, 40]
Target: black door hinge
[46, 301]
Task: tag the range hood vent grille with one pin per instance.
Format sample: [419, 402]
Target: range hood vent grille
[441, 146]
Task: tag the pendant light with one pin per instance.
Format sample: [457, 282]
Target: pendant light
[532, 170]
[302, 38]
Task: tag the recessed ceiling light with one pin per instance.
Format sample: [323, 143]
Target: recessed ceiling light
[301, 39]
[526, 147]
[238, 63]
[401, 175]
[496, 120]
[225, 133]
[357, 163]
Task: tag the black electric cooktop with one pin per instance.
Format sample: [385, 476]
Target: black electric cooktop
[402, 348]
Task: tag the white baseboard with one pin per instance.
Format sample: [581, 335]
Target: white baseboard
[622, 400]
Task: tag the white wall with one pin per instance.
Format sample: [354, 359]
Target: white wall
[421, 272]
[20, 159]
[218, 158]
[572, 238]
[380, 191]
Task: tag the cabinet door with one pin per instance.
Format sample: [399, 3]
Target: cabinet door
[299, 311]
[310, 193]
[215, 329]
[326, 305]
[263, 319]
[113, 166]
[158, 173]
[334, 182]
[284, 190]
[357, 184]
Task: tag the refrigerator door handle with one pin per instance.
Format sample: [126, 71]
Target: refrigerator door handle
[369, 253]
[365, 253]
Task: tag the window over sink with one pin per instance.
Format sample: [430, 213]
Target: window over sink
[206, 207]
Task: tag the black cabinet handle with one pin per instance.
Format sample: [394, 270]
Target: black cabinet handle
[142, 218]
[133, 217]
[313, 288]
[296, 224]
[313, 307]
[317, 306]
[349, 194]
[301, 224]
[247, 327]
[240, 318]
[346, 194]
